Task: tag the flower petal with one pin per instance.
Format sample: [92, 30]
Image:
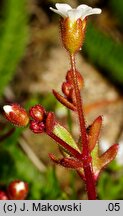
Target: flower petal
[74, 14]
[89, 12]
[61, 9]
[56, 11]
[83, 6]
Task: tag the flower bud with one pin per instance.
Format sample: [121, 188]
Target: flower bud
[3, 195]
[37, 127]
[16, 114]
[50, 122]
[66, 88]
[17, 190]
[69, 78]
[37, 112]
[72, 33]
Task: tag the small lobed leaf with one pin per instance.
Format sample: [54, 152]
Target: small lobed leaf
[94, 133]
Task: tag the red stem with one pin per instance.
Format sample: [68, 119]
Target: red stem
[79, 108]
[89, 180]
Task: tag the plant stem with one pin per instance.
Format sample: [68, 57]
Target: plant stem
[79, 108]
[89, 180]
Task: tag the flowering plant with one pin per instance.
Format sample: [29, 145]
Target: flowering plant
[82, 156]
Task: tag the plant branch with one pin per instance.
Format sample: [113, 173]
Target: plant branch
[79, 108]
[89, 180]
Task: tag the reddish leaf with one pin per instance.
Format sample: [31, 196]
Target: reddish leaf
[109, 155]
[50, 122]
[67, 162]
[100, 162]
[64, 101]
[94, 133]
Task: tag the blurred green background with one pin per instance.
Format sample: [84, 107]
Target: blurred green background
[28, 30]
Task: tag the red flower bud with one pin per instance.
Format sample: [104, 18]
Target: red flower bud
[79, 78]
[50, 122]
[17, 190]
[16, 114]
[3, 195]
[37, 112]
[37, 127]
[66, 88]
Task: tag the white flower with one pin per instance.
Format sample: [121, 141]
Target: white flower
[81, 11]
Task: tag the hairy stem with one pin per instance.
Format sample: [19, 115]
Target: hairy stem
[89, 180]
[79, 108]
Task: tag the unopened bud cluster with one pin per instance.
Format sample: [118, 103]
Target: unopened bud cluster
[38, 115]
[68, 86]
[42, 121]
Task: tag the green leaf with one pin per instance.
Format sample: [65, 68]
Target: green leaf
[96, 163]
[62, 133]
[13, 38]
[104, 52]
